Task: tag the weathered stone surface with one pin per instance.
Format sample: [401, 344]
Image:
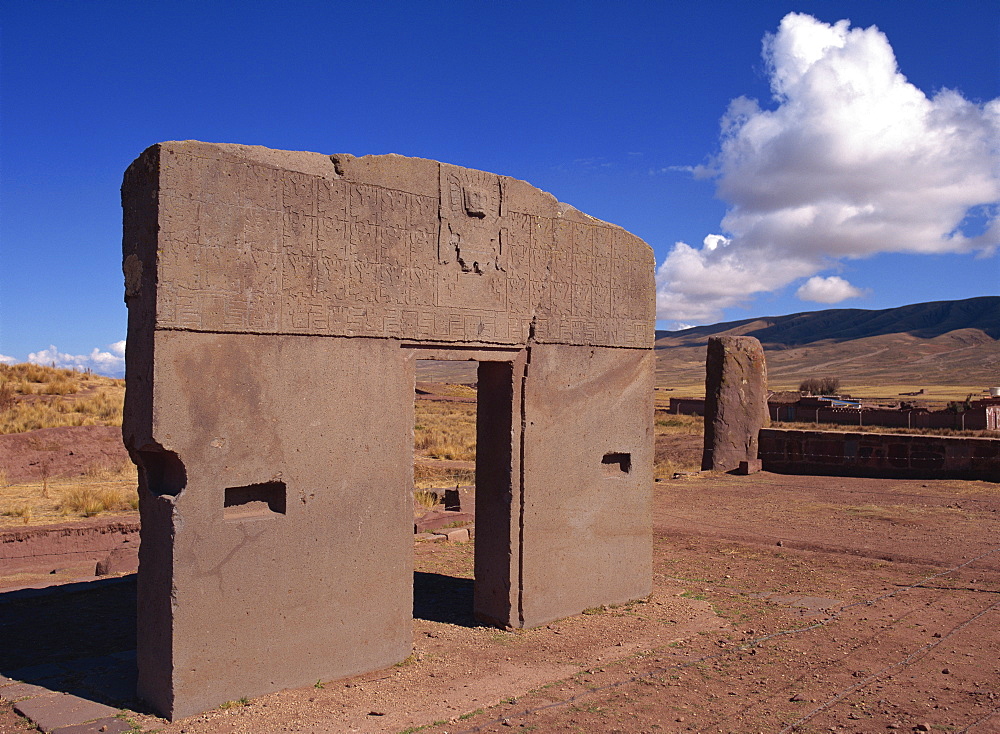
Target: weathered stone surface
[278, 302]
[436, 520]
[60, 710]
[121, 560]
[735, 403]
[100, 726]
[14, 691]
[880, 455]
[273, 242]
[458, 535]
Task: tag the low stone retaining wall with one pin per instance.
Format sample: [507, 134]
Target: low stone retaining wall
[879, 455]
[55, 546]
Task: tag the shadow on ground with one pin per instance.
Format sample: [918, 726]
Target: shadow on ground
[80, 638]
[440, 598]
[77, 638]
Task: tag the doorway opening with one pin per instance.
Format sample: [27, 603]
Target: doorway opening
[463, 420]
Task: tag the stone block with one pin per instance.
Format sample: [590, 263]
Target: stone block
[278, 302]
[50, 713]
[435, 520]
[16, 690]
[735, 401]
[120, 560]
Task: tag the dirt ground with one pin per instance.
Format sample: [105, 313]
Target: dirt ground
[59, 452]
[780, 604]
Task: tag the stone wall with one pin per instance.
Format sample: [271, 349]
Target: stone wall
[976, 419]
[838, 453]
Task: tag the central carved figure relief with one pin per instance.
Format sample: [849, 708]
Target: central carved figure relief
[470, 217]
[278, 303]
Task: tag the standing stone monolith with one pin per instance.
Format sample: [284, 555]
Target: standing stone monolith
[735, 403]
[278, 303]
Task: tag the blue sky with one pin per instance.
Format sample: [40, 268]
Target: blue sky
[616, 108]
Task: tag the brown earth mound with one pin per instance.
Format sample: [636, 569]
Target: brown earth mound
[59, 452]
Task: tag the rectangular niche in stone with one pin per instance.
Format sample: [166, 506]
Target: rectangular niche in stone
[266, 499]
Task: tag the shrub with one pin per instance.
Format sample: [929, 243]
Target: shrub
[820, 385]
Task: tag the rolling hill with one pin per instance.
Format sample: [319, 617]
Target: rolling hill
[937, 343]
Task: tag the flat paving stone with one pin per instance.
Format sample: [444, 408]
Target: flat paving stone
[430, 537]
[15, 691]
[50, 713]
[101, 726]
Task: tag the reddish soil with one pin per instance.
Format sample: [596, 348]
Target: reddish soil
[806, 604]
[64, 451]
[682, 451]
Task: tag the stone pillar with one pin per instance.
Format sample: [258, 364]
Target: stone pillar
[735, 403]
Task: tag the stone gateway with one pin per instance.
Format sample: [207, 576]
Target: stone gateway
[278, 302]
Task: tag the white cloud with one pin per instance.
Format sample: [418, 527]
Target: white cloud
[828, 290]
[853, 161]
[4, 359]
[110, 363]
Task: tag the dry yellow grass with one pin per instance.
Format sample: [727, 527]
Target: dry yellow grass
[89, 500]
[425, 477]
[102, 489]
[456, 390]
[685, 425]
[25, 512]
[426, 499]
[33, 397]
[445, 430]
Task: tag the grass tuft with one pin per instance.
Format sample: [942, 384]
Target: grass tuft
[24, 512]
[88, 501]
[426, 498]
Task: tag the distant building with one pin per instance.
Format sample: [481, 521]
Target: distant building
[981, 415]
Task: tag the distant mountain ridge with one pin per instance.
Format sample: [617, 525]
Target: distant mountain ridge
[936, 343]
[940, 342]
[921, 320]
